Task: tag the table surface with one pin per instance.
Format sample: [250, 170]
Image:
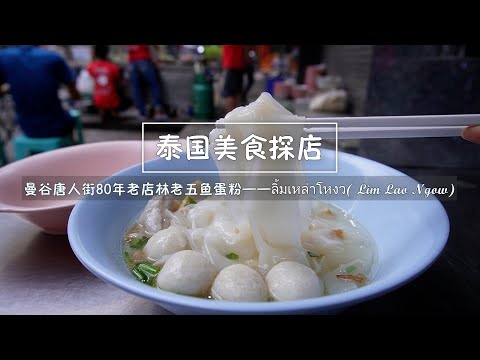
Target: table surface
[39, 274]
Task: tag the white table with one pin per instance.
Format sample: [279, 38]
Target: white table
[39, 274]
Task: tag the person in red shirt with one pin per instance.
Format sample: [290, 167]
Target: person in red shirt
[107, 78]
[142, 67]
[234, 61]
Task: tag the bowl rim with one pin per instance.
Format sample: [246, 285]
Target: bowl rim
[330, 302]
[11, 168]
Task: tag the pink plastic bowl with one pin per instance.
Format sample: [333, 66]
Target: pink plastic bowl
[95, 159]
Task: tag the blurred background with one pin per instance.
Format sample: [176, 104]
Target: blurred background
[309, 80]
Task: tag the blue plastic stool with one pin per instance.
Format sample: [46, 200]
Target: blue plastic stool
[78, 125]
[26, 146]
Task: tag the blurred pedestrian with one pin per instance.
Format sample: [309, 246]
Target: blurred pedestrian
[308, 55]
[106, 75]
[142, 68]
[34, 76]
[249, 72]
[234, 63]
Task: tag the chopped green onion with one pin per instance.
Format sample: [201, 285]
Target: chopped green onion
[139, 275]
[148, 269]
[350, 269]
[151, 281]
[145, 272]
[139, 243]
[232, 256]
[312, 254]
[187, 201]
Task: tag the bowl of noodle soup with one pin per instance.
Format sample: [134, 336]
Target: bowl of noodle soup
[202, 256]
[409, 235]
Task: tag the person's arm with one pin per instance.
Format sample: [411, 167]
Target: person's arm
[64, 74]
[155, 51]
[472, 133]
[4, 88]
[73, 91]
[246, 53]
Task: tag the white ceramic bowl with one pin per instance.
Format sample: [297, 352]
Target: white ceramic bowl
[409, 234]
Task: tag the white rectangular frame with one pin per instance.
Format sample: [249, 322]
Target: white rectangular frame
[238, 171]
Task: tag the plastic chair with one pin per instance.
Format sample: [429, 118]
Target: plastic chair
[78, 125]
[26, 146]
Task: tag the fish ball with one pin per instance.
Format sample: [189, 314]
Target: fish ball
[239, 283]
[290, 280]
[187, 272]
